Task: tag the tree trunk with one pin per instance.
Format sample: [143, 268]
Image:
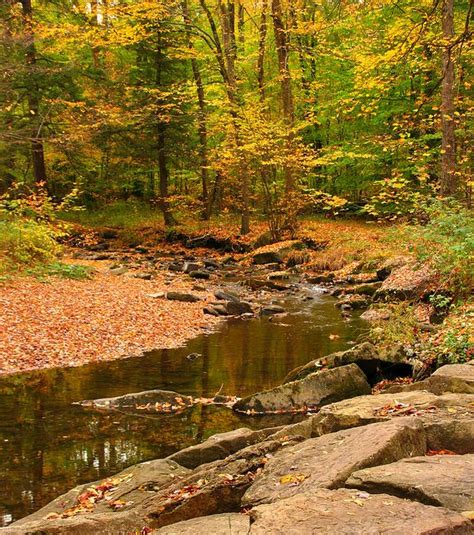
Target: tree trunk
[37, 148]
[281, 42]
[261, 51]
[449, 181]
[202, 120]
[168, 218]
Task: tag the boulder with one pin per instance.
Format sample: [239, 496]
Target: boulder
[184, 297]
[200, 274]
[213, 488]
[353, 301]
[367, 289]
[104, 505]
[224, 524]
[448, 419]
[270, 310]
[441, 480]
[237, 308]
[276, 252]
[328, 461]
[376, 314]
[219, 446]
[351, 512]
[365, 355]
[407, 282]
[226, 296]
[313, 391]
[391, 264]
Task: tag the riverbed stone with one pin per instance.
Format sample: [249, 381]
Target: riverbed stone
[350, 512]
[440, 480]
[354, 301]
[270, 310]
[276, 252]
[328, 461]
[313, 391]
[153, 398]
[219, 446]
[224, 524]
[183, 297]
[237, 308]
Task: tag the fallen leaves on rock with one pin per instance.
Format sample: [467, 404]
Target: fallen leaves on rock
[402, 409]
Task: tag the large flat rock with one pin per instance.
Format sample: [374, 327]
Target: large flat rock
[219, 446]
[102, 504]
[350, 512]
[313, 391]
[329, 460]
[224, 524]
[441, 480]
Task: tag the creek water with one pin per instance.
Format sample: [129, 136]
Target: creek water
[48, 444]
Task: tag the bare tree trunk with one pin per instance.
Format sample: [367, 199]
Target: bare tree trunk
[449, 181]
[37, 148]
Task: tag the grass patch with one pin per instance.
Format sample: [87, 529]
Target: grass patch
[59, 269]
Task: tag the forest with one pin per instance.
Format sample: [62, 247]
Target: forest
[236, 267]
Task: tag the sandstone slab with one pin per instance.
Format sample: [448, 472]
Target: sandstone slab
[350, 512]
[327, 461]
[224, 524]
[313, 391]
[441, 480]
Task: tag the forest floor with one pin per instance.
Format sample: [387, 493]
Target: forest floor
[62, 322]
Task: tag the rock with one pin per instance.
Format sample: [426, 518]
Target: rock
[224, 524]
[181, 296]
[157, 295]
[211, 263]
[328, 461]
[118, 270]
[226, 296]
[133, 486]
[189, 267]
[365, 355]
[278, 275]
[108, 234]
[351, 512]
[368, 289]
[237, 308]
[390, 265]
[216, 310]
[269, 310]
[376, 314]
[353, 301]
[176, 266]
[219, 446]
[438, 384]
[313, 391]
[275, 253]
[151, 397]
[143, 276]
[141, 250]
[440, 480]
[200, 274]
[436, 412]
[324, 278]
[213, 488]
[407, 282]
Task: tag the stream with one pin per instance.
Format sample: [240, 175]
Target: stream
[48, 445]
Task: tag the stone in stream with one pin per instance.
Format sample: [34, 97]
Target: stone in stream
[223, 524]
[226, 296]
[270, 310]
[457, 378]
[219, 446]
[153, 400]
[328, 461]
[237, 308]
[313, 391]
[355, 301]
[365, 355]
[181, 296]
[351, 512]
[441, 480]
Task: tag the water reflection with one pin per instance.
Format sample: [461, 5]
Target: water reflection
[48, 445]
